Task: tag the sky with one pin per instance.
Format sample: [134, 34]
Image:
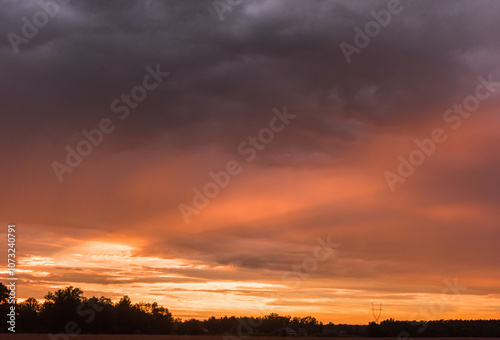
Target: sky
[255, 157]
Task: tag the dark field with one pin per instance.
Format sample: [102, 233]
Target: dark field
[178, 337]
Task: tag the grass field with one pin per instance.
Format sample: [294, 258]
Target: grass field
[174, 337]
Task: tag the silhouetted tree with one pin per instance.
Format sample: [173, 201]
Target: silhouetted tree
[4, 293]
[28, 320]
[190, 327]
[60, 308]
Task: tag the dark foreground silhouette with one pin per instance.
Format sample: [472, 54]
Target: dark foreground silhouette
[68, 312]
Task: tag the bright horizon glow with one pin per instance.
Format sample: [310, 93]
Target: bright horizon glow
[154, 150]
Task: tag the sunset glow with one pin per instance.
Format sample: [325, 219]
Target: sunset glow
[178, 204]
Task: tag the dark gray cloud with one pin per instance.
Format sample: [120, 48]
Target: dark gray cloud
[233, 72]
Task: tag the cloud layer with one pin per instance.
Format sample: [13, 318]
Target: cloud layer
[114, 223]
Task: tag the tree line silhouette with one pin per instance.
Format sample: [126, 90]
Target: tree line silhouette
[438, 328]
[68, 311]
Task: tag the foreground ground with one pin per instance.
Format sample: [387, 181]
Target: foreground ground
[177, 337]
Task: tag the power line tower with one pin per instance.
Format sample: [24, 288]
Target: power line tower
[376, 312]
